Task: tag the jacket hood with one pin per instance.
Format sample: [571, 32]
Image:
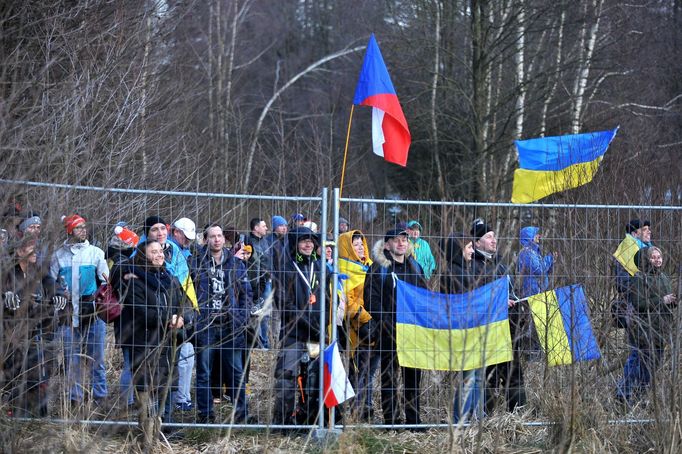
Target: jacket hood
[527, 234]
[301, 233]
[345, 245]
[454, 246]
[379, 255]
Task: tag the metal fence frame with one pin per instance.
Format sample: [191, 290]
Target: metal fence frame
[334, 211]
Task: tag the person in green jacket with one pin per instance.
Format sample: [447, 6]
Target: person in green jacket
[422, 251]
[651, 321]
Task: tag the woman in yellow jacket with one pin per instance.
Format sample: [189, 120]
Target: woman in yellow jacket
[354, 262]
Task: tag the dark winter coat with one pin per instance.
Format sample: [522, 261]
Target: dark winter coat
[300, 312]
[223, 294]
[652, 320]
[380, 293]
[457, 277]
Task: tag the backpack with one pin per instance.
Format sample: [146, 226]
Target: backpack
[107, 305]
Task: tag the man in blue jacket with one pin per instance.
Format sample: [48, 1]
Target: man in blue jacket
[223, 293]
[532, 266]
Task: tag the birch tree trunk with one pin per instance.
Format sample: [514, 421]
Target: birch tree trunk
[584, 66]
[434, 96]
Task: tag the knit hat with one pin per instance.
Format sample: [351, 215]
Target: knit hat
[26, 223]
[151, 221]
[344, 221]
[248, 248]
[479, 228]
[414, 224]
[278, 221]
[635, 224]
[71, 222]
[298, 217]
[126, 236]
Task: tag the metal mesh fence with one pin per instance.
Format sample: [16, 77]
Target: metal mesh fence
[239, 363]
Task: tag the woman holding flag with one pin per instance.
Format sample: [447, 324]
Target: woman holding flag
[354, 262]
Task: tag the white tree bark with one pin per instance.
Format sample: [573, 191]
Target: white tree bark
[584, 67]
[557, 65]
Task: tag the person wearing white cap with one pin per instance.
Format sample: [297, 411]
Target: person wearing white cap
[183, 233]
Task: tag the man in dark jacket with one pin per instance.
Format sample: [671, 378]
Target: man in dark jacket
[222, 294]
[261, 265]
[392, 260]
[300, 317]
[486, 267]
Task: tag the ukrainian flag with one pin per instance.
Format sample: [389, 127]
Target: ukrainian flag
[553, 164]
[562, 324]
[625, 254]
[438, 331]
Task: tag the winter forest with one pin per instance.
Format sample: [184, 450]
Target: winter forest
[251, 96]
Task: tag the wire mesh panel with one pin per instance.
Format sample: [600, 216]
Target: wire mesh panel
[442, 312]
[588, 321]
[200, 284]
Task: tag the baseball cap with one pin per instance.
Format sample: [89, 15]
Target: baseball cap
[187, 226]
[394, 233]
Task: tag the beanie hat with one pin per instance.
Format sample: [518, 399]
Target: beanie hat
[635, 224]
[248, 248]
[26, 223]
[479, 228]
[71, 222]
[278, 221]
[126, 236]
[151, 221]
[344, 221]
[414, 224]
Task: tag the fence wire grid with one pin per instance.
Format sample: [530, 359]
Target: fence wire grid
[246, 356]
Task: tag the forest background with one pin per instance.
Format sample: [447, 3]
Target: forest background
[251, 96]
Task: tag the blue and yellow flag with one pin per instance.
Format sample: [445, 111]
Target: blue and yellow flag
[625, 254]
[562, 324]
[437, 331]
[553, 164]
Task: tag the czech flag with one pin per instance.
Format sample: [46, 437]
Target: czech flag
[337, 388]
[390, 136]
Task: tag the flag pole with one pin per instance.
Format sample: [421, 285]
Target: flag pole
[345, 150]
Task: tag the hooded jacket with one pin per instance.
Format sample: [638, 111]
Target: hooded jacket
[150, 300]
[458, 277]
[223, 292]
[355, 268]
[177, 266]
[533, 267]
[301, 288]
[380, 293]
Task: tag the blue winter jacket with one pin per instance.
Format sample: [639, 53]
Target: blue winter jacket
[533, 268]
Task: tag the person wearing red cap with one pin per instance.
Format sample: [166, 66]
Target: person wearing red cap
[79, 268]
